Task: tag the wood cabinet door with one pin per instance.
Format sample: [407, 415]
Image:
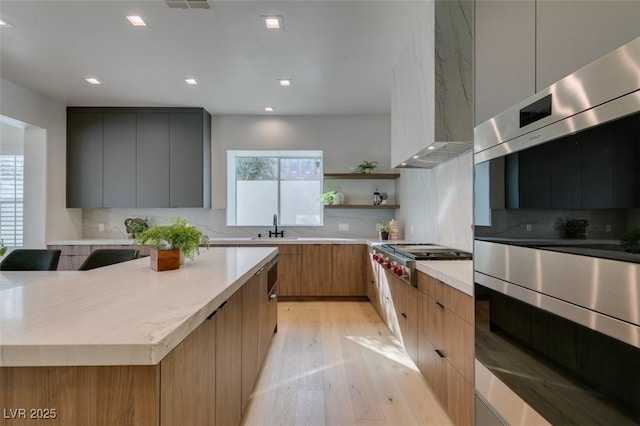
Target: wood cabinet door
[348, 272]
[459, 399]
[316, 267]
[229, 362]
[250, 334]
[406, 309]
[289, 276]
[188, 377]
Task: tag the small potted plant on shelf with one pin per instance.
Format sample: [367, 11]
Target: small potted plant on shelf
[136, 225]
[3, 248]
[328, 197]
[384, 231]
[367, 166]
[170, 242]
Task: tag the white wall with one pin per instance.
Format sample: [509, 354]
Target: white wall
[438, 203]
[345, 141]
[54, 221]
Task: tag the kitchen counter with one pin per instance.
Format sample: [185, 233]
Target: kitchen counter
[456, 273]
[238, 240]
[124, 314]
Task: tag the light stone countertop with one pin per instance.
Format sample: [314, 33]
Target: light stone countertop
[234, 240]
[456, 273]
[123, 314]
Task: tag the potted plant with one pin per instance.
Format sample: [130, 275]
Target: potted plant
[169, 242]
[328, 197]
[630, 240]
[3, 248]
[367, 166]
[576, 228]
[384, 231]
[135, 226]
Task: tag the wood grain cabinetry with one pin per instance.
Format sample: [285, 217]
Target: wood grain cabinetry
[228, 349]
[289, 270]
[316, 267]
[405, 305]
[445, 345]
[188, 379]
[251, 293]
[347, 270]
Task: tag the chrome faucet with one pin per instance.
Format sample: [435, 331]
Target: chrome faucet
[275, 224]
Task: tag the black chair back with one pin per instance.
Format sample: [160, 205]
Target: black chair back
[104, 257]
[31, 260]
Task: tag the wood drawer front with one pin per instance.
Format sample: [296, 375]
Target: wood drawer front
[458, 344]
[459, 400]
[453, 299]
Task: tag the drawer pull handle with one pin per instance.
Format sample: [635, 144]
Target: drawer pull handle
[272, 296]
[439, 304]
[213, 314]
[259, 271]
[404, 315]
[440, 354]
[221, 307]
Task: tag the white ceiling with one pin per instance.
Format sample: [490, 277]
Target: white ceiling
[338, 53]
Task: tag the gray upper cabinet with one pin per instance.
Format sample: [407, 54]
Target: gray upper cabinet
[504, 55]
[521, 47]
[138, 157]
[84, 159]
[152, 160]
[188, 187]
[572, 34]
[118, 159]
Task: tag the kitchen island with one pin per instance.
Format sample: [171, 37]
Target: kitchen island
[127, 345]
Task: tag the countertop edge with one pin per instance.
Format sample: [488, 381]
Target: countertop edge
[455, 273]
[135, 353]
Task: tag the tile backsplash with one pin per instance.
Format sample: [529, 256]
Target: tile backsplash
[361, 223]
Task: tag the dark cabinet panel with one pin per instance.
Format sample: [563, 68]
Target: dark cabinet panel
[566, 174]
[535, 178]
[84, 160]
[119, 159]
[152, 160]
[597, 182]
[138, 157]
[185, 160]
[625, 170]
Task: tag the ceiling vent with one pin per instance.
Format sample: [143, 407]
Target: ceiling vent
[188, 4]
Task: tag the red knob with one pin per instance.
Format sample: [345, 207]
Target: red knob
[380, 260]
[389, 265]
[400, 272]
[375, 257]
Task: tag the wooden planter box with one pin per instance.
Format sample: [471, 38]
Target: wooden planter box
[165, 260]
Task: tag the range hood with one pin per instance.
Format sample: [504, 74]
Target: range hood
[432, 96]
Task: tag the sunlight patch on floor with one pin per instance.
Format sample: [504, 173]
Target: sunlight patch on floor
[385, 347]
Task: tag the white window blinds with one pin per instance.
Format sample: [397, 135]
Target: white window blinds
[11, 195]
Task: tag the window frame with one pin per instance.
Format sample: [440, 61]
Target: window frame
[232, 155]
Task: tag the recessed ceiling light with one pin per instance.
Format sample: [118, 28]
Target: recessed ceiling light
[92, 80]
[285, 82]
[431, 147]
[416, 156]
[273, 22]
[5, 24]
[268, 109]
[403, 164]
[191, 81]
[136, 21]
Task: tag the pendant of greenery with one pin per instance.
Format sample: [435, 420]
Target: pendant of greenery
[177, 235]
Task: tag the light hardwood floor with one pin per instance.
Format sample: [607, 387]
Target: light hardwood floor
[336, 363]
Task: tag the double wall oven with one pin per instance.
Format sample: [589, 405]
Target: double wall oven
[557, 247]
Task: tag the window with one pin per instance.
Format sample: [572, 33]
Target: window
[11, 198]
[263, 183]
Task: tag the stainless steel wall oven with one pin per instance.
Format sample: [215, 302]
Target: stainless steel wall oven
[557, 245]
